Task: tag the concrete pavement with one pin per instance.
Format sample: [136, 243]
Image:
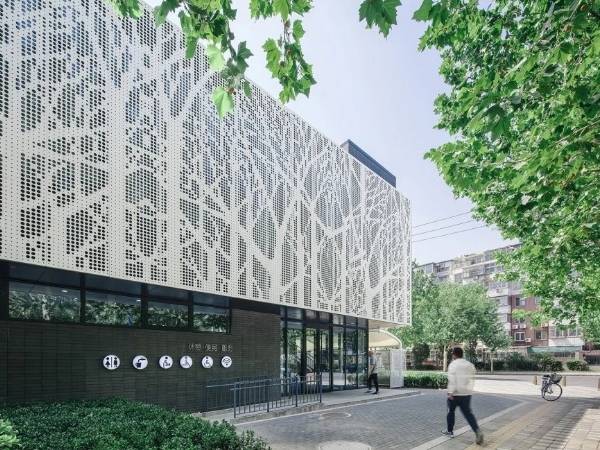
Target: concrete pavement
[510, 411]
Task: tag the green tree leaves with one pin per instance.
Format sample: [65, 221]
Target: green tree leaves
[208, 21]
[162, 11]
[444, 314]
[381, 13]
[223, 101]
[422, 13]
[216, 61]
[527, 131]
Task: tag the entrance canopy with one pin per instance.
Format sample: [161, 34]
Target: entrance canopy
[383, 339]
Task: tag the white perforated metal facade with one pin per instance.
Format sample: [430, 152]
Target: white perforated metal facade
[114, 163]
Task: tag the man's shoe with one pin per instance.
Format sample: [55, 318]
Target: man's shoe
[376, 392]
[368, 391]
[479, 438]
[450, 434]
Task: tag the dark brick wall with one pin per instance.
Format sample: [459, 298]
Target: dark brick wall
[48, 362]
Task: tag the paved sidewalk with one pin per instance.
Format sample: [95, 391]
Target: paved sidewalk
[511, 413]
[329, 400]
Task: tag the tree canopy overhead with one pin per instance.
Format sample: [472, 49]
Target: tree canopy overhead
[524, 106]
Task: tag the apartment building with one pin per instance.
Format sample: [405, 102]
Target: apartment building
[484, 268]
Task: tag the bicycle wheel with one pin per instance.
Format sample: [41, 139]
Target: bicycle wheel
[552, 392]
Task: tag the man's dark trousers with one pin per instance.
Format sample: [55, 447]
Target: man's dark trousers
[464, 403]
[373, 379]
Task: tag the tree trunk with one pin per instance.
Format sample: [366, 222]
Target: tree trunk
[445, 359]
[491, 362]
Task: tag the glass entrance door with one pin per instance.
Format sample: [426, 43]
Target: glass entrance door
[312, 354]
[337, 358]
[324, 355]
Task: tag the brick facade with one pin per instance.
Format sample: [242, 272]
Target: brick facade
[50, 361]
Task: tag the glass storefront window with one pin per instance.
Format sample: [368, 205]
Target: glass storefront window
[351, 357]
[324, 358]
[311, 353]
[294, 349]
[39, 302]
[112, 309]
[337, 360]
[282, 360]
[294, 313]
[362, 366]
[95, 282]
[208, 318]
[210, 300]
[167, 315]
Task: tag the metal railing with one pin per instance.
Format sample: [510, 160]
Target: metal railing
[266, 395]
[218, 394]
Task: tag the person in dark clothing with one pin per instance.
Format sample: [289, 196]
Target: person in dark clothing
[372, 372]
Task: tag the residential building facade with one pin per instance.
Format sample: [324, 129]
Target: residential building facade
[149, 248]
[484, 268]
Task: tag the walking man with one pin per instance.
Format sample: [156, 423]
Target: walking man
[461, 375]
[372, 373]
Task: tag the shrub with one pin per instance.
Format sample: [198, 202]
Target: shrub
[435, 380]
[427, 367]
[516, 361]
[547, 363]
[498, 365]
[577, 366]
[8, 436]
[121, 424]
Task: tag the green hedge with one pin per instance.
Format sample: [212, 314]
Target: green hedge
[120, 424]
[8, 436]
[577, 366]
[435, 380]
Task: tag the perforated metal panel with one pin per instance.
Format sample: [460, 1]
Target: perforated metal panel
[115, 163]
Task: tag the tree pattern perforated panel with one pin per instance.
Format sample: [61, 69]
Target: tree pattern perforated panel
[115, 163]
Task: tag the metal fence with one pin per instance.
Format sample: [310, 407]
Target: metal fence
[218, 394]
[267, 395]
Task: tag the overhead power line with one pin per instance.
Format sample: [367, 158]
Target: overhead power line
[444, 228]
[449, 234]
[443, 219]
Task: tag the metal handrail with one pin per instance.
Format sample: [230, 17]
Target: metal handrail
[268, 394]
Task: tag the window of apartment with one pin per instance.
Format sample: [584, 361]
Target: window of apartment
[561, 332]
[573, 332]
[502, 301]
[520, 336]
[41, 302]
[541, 335]
[520, 301]
[106, 308]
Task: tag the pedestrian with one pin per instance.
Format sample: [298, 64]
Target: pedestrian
[461, 376]
[372, 372]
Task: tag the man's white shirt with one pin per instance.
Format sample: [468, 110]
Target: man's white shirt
[461, 377]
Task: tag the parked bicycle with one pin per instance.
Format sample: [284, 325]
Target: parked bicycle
[551, 390]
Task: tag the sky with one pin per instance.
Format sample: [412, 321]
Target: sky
[379, 92]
